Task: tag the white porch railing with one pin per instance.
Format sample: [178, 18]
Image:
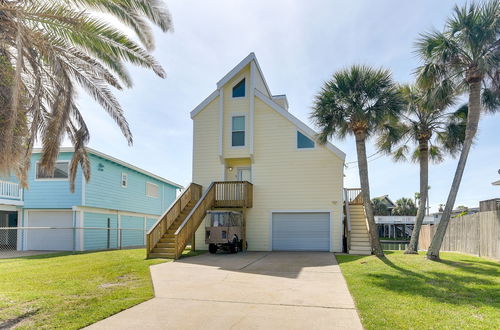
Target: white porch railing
[394, 219]
[10, 190]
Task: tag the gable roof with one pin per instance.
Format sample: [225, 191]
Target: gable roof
[247, 60]
[117, 161]
[389, 204]
[297, 122]
[266, 99]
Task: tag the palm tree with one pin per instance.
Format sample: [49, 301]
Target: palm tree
[405, 207]
[48, 50]
[379, 208]
[357, 101]
[427, 123]
[466, 55]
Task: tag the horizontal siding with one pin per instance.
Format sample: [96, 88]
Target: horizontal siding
[284, 178]
[104, 189]
[97, 239]
[236, 106]
[132, 237]
[150, 222]
[51, 194]
[207, 166]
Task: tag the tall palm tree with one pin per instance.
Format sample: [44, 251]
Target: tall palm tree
[357, 101]
[48, 50]
[466, 54]
[428, 123]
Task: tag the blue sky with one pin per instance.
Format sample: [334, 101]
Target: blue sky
[299, 44]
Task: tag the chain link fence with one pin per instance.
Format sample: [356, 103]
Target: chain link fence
[68, 239]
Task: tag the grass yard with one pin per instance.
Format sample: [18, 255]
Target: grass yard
[70, 291]
[410, 292]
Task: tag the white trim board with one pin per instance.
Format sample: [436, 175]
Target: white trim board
[309, 132]
[251, 57]
[114, 160]
[109, 211]
[204, 103]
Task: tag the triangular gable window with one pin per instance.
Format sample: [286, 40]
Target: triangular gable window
[303, 142]
[239, 89]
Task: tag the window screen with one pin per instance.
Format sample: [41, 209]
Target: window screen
[238, 131]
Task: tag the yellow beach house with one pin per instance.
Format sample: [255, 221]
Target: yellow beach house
[251, 154]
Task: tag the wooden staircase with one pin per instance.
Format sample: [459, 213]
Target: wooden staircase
[358, 238]
[170, 235]
[165, 248]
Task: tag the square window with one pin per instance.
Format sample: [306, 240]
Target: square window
[151, 190]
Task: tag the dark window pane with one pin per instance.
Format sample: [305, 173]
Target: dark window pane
[61, 171]
[239, 89]
[238, 139]
[303, 141]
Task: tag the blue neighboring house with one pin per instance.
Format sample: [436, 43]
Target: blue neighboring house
[119, 196]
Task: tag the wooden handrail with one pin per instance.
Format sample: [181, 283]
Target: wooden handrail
[193, 220]
[219, 194]
[153, 236]
[353, 195]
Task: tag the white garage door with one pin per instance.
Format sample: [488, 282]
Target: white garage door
[50, 239]
[301, 231]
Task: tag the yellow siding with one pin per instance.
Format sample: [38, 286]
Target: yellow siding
[207, 166]
[236, 106]
[285, 178]
[259, 83]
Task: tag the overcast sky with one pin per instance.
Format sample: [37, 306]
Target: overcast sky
[299, 44]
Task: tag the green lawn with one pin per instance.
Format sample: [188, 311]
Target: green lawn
[72, 290]
[410, 292]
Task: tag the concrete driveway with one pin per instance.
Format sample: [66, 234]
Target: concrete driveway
[252, 290]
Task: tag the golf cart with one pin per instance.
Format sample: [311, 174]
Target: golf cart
[223, 231]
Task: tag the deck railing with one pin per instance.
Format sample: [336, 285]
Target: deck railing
[220, 194]
[353, 195]
[10, 190]
[191, 194]
[233, 194]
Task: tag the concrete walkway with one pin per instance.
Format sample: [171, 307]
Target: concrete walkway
[252, 290]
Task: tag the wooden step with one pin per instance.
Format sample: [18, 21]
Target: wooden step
[167, 240]
[359, 239]
[164, 250]
[169, 244]
[360, 252]
[162, 255]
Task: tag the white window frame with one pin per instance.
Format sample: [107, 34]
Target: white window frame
[51, 179]
[297, 141]
[157, 189]
[245, 131]
[124, 175]
[240, 78]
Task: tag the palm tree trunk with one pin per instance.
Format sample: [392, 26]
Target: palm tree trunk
[470, 131]
[424, 181]
[365, 190]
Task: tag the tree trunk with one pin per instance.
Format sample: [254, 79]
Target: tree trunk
[470, 131]
[424, 181]
[365, 190]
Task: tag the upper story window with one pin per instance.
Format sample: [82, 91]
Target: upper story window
[151, 190]
[124, 180]
[61, 171]
[239, 89]
[238, 131]
[303, 142]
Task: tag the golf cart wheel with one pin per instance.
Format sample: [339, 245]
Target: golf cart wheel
[233, 248]
[212, 248]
